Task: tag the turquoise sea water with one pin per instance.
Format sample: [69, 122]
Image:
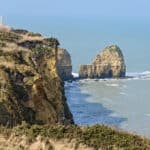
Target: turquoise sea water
[121, 103]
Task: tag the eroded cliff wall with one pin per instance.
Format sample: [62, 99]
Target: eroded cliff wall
[30, 87]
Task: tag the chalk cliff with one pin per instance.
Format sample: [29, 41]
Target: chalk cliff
[108, 64]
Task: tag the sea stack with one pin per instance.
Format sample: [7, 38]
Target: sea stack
[64, 64]
[108, 64]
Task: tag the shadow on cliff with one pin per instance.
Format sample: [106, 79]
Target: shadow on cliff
[86, 113]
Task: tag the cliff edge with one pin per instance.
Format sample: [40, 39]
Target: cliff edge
[30, 87]
[108, 64]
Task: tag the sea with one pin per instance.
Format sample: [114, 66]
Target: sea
[123, 103]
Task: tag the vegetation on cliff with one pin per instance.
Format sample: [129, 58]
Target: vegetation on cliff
[94, 137]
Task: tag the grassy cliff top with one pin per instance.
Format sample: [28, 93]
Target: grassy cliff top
[96, 137]
[18, 38]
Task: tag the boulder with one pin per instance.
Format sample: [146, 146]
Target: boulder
[108, 64]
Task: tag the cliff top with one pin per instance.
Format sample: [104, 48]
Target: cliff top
[13, 38]
[114, 49]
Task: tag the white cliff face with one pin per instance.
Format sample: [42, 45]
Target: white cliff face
[108, 64]
[64, 64]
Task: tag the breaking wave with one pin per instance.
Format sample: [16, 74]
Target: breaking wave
[129, 75]
[139, 75]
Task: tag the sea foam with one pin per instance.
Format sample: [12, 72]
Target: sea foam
[129, 76]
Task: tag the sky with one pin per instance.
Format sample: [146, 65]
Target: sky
[76, 23]
[76, 8]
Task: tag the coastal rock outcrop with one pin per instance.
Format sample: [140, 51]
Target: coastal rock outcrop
[64, 64]
[30, 87]
[108, 64]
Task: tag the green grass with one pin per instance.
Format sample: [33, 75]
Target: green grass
[34, 34]
[97, 136]
[20, 31]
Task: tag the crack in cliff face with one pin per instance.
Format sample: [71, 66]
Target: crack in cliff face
[30, 87]
[108, 64]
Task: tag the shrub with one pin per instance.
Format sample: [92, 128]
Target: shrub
[34, 34]
[41, 50]
[52, 42]
[20, 31]
[97, 136]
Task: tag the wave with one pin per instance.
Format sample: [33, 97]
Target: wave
[148, 115]
[75, 75]
[129, 75]
[112, 84]
[138, 75]
[123, 93]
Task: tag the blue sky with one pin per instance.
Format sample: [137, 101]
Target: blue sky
[76, 8]
[79, 22]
